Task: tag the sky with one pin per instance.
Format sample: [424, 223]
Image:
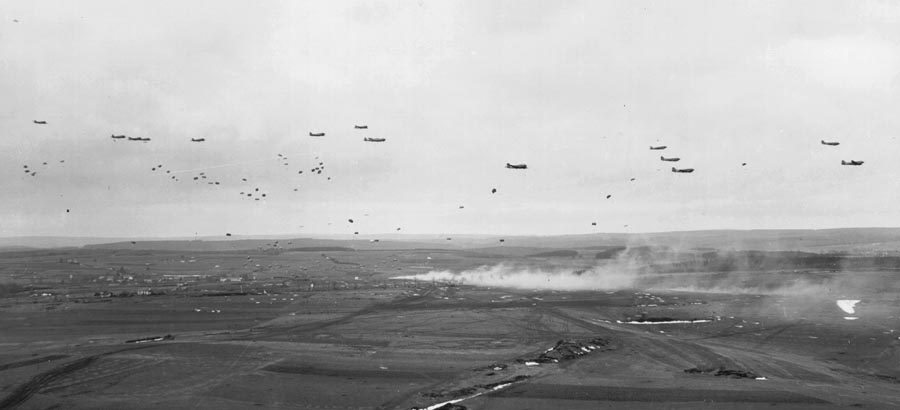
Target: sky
[577, 90]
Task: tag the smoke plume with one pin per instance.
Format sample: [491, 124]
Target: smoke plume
[601, 277]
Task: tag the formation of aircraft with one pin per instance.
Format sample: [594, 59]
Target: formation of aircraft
[843, 162]
[671, 159]
[317, 170]
[30, 171]
[250, 194]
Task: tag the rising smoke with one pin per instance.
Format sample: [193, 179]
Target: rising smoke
[662, 269]
[527, 277]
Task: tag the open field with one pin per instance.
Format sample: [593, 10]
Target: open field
[335, 329]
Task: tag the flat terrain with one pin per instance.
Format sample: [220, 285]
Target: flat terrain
[331, 329]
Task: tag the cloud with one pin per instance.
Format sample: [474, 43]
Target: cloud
[856, 62]
[880, 11]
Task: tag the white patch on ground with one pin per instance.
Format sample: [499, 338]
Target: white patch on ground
[850, 318]
[848, 305]
[436, 406]
[532, 364]
[669, 322]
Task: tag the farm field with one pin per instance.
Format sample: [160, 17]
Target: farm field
[367, 329]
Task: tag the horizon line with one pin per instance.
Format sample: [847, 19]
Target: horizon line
[351, 236]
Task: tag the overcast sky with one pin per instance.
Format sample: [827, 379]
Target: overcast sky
[577, 90]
